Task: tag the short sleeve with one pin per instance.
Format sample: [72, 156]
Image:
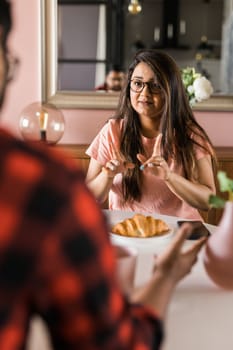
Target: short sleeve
[100, 148]
[202, 149]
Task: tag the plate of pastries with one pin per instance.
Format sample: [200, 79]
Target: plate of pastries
[141, 228]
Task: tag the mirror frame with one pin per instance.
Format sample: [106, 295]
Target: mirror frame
[87, 99]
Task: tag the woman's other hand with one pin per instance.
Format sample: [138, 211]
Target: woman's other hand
[155, 164]
[117, 164]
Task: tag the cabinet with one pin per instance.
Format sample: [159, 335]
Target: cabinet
[225, 163]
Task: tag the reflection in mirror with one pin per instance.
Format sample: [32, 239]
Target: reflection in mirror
[184, 29]
[93, 51]
[81, 58]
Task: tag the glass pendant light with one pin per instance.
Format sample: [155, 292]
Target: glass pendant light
[42, 122]
[134, 7]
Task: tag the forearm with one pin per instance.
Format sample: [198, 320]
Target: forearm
[171, 266]
[195, 194]
[100, 186]
[156, 294]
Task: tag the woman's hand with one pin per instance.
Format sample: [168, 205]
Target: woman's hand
[117, 164]
[155, 164]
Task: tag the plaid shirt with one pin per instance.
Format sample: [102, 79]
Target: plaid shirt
[56, 259]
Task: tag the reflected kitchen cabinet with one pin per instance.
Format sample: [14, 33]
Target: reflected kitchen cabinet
[90, 36]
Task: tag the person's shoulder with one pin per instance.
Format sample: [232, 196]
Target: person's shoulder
[115, 123]
[199, 136]
[202, 145]
[102, 87]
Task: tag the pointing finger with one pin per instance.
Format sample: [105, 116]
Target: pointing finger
[141, 159]
[157, 146]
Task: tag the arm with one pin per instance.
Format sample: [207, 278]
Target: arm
[170, 267]
[195, 193]
[99, 181]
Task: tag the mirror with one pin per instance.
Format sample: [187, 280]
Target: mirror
[68, 98]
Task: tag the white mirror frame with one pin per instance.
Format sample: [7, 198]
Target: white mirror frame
[87, 99]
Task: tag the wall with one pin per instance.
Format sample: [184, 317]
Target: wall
[25, 43]
[25, 40]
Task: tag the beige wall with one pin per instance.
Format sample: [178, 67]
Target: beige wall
[81, 125]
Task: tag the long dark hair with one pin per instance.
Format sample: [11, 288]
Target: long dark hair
[5, 20]
[178, 124]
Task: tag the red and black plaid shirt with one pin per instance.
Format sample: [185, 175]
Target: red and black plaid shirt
[56, 259]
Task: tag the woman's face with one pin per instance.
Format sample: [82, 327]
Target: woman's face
[148, 102]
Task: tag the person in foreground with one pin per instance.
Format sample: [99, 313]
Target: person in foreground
[153, 156]
[56, 259]
[114, 80]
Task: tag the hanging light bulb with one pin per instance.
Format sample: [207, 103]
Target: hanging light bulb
[134, 7]
[42, 122]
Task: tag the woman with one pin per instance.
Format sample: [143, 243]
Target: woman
[153, 156]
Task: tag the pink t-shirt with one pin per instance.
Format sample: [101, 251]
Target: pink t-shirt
[156, 196]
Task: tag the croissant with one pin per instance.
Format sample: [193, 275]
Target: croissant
[141, 226]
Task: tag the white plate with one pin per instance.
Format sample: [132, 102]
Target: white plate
[141, 242]
[148, 244]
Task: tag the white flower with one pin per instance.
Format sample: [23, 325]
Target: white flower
[197, 87]
[190, 89]
[202, 88]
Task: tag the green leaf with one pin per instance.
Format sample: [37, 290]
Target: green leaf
[216, 202]
[226, 184]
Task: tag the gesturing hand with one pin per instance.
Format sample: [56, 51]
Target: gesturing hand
[170, 266]
[174, 262]
[117, 164]
[155, 164]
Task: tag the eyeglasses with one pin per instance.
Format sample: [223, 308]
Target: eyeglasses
[138, 85]
[12, 66]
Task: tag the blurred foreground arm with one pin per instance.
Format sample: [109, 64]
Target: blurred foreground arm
[170, 267]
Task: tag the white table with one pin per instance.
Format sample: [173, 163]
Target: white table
[200, 316]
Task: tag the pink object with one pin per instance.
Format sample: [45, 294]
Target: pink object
[218, 254]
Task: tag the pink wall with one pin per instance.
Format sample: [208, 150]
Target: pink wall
[25, 42]
[219, 126]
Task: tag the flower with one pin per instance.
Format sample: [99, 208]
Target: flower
[226, 185]
[197, 87]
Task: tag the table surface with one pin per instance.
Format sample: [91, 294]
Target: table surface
[200, 315]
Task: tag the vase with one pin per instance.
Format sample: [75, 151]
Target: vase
[218, 253]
